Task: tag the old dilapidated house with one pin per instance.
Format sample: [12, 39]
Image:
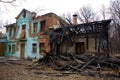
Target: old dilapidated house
[26, 38]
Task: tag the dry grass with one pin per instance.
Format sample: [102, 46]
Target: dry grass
[21, 72]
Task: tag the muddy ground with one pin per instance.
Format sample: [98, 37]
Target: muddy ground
[20, 70]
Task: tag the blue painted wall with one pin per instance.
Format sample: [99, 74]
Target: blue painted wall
[29, 40]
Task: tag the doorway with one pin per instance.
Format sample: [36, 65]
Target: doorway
[22, 51]
[80, 48]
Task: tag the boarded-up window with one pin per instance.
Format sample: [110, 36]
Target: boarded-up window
[13, 48]
[9, 48]
[43, 25]
[23, 32]
[35, 27]
[34, 48]
[41, 46]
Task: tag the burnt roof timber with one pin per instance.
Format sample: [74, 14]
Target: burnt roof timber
[87, 28]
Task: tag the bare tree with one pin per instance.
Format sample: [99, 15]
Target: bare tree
[103, 12]
[7, 6]
[67, 17]
[86, 14]
[115, 11]
[7, 1]
[115, 15]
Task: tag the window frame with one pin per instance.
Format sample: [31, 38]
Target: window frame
[9, 48]
[34, 48]
[10, 32]
[13, 48]
[35, 27]
[23, 30]
[14, 31]
[42, 23]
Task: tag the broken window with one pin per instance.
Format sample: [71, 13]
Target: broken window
[43, 25]
[41, 46]
[34, 48]
[35, 27]
[13, 48]
[23, 33]
[9, 48]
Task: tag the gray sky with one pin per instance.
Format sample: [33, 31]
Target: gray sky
[57, 6]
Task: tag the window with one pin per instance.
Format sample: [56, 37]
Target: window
[24, 13]
[23, 32]
[35, 27]
[13, 48]
[41, 46]
[34, 48]
[10, 32]
[6, 29]
[43, 25]
[23, 26]
[14, 31]
[9, 48]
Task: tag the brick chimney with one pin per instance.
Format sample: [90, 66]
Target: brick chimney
[75, 19]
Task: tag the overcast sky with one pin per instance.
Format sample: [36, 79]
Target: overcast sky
[57, 6]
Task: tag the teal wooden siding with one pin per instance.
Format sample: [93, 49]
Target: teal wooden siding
[29, 40]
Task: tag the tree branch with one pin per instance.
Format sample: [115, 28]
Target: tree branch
[7, 1]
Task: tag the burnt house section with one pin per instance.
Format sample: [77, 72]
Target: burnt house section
[81, 38]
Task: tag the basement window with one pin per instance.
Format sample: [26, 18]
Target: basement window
[35, 27]
[34, 48]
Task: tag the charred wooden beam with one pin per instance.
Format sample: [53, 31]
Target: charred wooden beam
[95, 41]
[99, 45]
[87, 41]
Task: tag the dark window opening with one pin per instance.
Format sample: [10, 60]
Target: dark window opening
[13, 48]
[35, 27]
[24, 13]
[10, 32]
[14, 31]
[23, 26]
[9, 48]
[34, 48]
[43, 25]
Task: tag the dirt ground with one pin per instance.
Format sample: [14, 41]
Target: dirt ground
[19, 70]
